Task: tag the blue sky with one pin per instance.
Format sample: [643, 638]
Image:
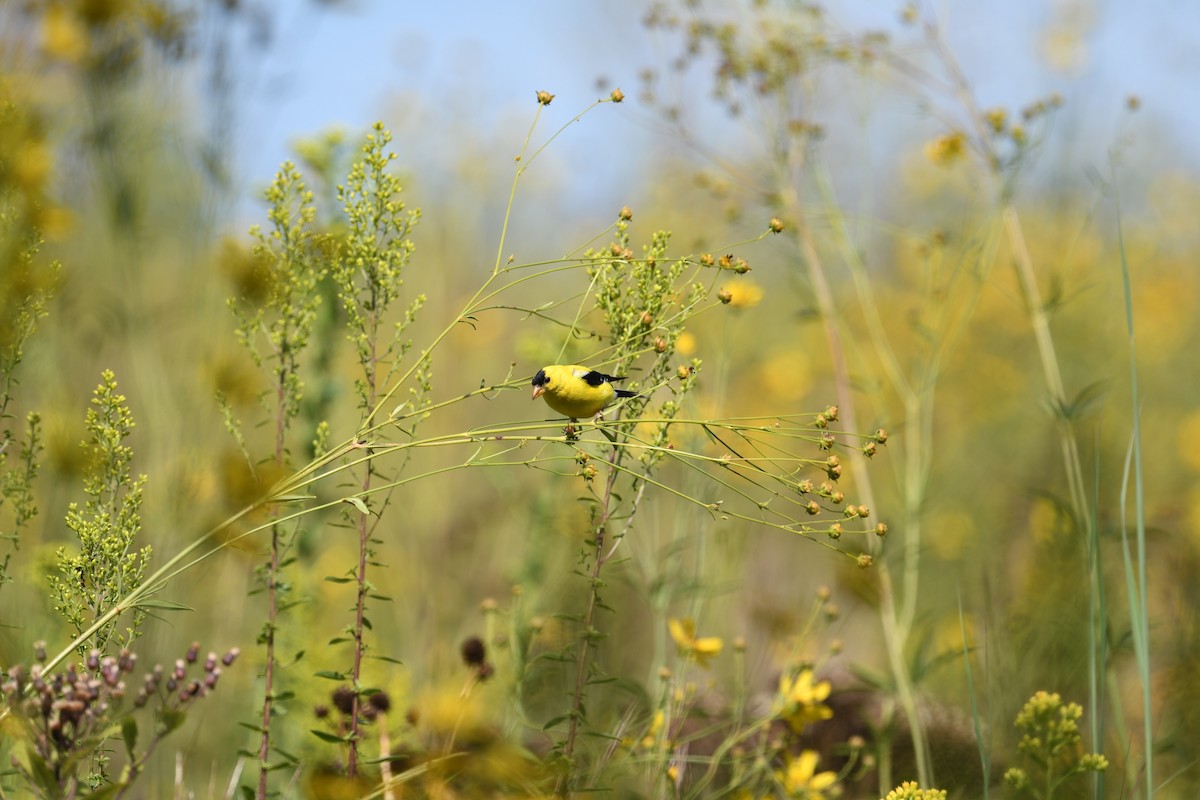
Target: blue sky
[436, 70]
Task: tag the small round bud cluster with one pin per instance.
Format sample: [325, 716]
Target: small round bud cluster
[865, 560]
[707, 260]
[826, 441]
[617, 95]
[835, 531]
[625, 214]
[725, 296]
[881, 529]
[776, 225]
[869, 449]
[660, 345]
[73, 707]
[544, 98]
[833, 468]
[881, 436]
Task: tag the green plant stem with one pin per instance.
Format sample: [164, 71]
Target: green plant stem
[894, 632]
[562, 787]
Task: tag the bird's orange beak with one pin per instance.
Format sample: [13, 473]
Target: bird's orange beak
[537, 391]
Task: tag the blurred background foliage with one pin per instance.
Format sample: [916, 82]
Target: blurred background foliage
[117, 123]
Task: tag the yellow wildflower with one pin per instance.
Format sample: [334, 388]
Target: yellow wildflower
[743, 293]
[947, 148]
[683, 631]
[801, 778]
[656, 726]
[802, 700]
[685, 345]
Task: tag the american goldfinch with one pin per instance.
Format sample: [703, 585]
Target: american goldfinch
[575, 391]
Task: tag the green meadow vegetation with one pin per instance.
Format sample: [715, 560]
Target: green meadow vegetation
[902, 508]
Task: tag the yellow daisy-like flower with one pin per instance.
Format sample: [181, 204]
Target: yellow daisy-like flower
[947, 148]
[656, 725]
[802, 780]
[63, 36]
[802, 700]
[701, 649]
[744, 293]
[685, 345]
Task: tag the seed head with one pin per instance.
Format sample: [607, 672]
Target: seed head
[343, 699]
[380, 702]
[474, 651]
[544, 98]
[617, 95]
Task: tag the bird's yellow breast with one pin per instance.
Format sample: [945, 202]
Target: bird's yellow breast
[569, 394]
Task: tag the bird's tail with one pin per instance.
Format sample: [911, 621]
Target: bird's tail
[626, 393]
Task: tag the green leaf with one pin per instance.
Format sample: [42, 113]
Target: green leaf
[165, 605]
[388, 659]
[330, 675]
[877, 680]
[553, 722]
[332, 579]
[129, 732]
[42, 775]
[169, 719]
[292, 498]
[328, 737]
[291, 758]
[357, 503]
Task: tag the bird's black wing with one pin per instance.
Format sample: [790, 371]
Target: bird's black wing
[595, 378]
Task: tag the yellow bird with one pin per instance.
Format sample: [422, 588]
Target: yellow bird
[575, 391]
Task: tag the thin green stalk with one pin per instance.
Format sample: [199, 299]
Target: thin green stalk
[1137, 586]
[894, 633]
[1098, 629]
[976, 720]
